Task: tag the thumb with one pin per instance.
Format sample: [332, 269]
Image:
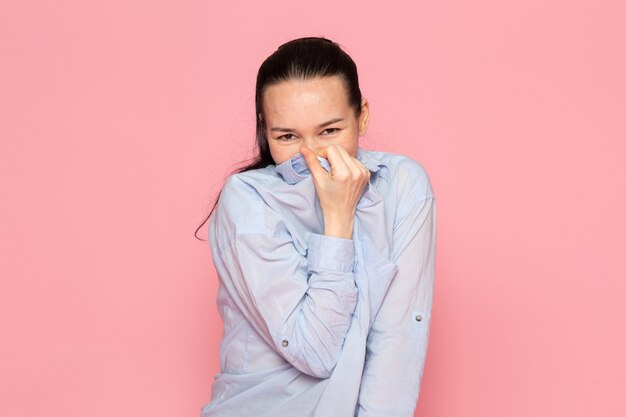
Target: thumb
[312, 162]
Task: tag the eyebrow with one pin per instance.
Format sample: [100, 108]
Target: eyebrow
[285, 129]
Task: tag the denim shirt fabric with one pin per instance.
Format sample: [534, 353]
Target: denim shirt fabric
[316, 325]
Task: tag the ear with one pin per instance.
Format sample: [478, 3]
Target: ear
[364, 117]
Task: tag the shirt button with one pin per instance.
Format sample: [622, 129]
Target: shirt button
[285, 343]
[418, 317]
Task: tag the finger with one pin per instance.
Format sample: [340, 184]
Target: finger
[357, 169]
[312, 162]
[338, 165]
[353, 163]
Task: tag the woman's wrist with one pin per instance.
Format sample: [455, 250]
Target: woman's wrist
[339, 226]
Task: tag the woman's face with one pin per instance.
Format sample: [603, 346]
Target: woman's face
[315, 113]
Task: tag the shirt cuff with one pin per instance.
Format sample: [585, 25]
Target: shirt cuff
[330, 253]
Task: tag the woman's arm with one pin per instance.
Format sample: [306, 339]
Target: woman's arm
[397, 342]
[301, 305]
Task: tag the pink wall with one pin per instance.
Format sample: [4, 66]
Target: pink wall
[120, 119]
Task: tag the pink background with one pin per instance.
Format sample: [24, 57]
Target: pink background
[119, 121]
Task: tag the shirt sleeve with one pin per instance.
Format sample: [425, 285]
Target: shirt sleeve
[397, 342]
[301, 305]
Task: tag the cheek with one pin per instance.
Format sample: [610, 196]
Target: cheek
[282, 153]
[351, 145]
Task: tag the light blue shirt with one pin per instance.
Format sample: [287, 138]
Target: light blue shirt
[316, 325]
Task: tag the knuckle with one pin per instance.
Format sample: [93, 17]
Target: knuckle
[341, 175]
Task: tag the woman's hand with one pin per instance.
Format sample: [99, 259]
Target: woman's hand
[339, 190]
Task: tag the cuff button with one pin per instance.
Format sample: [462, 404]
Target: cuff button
[285, 343]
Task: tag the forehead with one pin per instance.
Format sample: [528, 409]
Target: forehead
[305, 100]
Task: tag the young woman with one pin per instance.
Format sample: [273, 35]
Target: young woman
[325, 254]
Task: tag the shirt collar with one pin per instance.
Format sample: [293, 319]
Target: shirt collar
[295, 169]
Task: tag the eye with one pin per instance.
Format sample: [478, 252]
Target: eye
[331, 130]
[286, 137]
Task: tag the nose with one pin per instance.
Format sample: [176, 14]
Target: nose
[312, 144]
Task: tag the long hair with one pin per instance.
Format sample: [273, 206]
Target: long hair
[300, 59]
